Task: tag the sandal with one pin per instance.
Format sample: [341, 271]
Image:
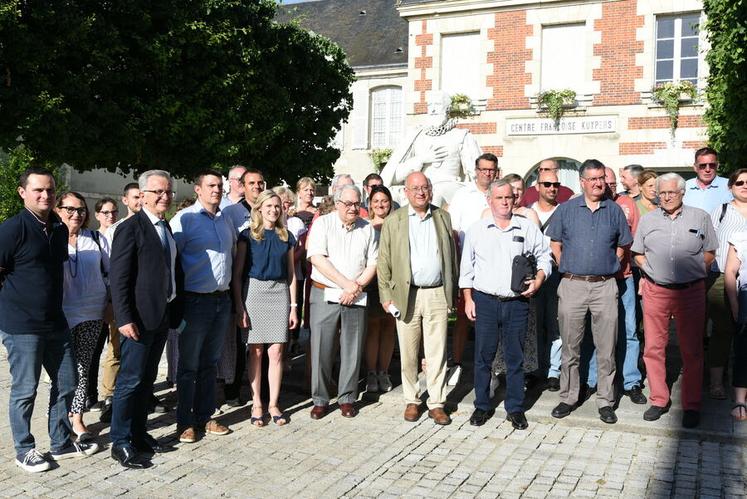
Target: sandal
[739, 412]
[279, 419]
[257, 421]
[717, 392]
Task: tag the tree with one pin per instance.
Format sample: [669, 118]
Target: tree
[179, 85]
[727, 83]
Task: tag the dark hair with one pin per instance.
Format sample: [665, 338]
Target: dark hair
[375, 190]
[634, 170]
[645, 176]
[129, 187]
[371, 176]
[207, 172]
[705, 150]
[101, 202]
[80, 198]
[513, 177]
[590, 164]
[487, 157]
[734, 176]
[250, 170]
[23, 179]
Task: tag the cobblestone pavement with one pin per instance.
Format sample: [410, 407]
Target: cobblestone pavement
[379, 454]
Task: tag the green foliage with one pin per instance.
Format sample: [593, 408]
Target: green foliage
[12, 164]
[670, 95]
[726, 116]
[180, 85]
[461, 106]
[379, 158]
[555, 102]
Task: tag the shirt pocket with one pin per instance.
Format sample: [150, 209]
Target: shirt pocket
[692, 242]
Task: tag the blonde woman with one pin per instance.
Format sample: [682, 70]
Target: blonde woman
[265, 281]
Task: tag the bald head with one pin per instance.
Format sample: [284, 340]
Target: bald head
[418, 191]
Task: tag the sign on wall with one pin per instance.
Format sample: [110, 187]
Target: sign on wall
[566, 125]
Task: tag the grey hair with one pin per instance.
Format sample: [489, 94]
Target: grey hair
[634, 170]
[346, 187]
[282, 190]
[496, 184]
[142, 180]
[336, 179]
[668, 177]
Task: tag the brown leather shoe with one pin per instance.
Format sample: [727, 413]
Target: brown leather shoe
[319, 411]
[412, 413]
[348, 410]
[187, 435]
[439, 416]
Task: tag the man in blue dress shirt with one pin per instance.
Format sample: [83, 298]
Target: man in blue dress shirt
[707, 190]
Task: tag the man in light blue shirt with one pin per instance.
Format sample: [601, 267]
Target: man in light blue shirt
[206, 244]
[707, 190]
[490, 301]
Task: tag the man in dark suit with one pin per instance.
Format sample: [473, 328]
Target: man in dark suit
[143, 275]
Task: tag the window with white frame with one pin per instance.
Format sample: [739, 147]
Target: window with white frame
[461, 60]
[677, 52]
[563, 57]
[386, 117]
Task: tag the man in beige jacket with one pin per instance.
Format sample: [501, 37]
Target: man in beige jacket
[417, 274]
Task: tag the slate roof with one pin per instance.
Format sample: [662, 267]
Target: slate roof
[371, 32]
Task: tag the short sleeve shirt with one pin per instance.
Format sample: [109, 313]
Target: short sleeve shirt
[717, 193]
[590, 239]
[267, 260]
[674, 247]
[31, 294]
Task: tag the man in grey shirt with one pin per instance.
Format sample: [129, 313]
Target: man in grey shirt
[588, 234]
[674, 246]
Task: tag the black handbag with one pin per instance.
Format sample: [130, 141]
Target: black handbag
[523, 268]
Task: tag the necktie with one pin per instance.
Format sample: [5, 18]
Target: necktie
[163, 234]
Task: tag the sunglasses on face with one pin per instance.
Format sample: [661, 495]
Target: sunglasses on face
[547, 185]
[703, 166]
[740, 183]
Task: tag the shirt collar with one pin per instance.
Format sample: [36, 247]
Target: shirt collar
[153, 218]
[715, 184]
[581, 201]
[411, 212]
[513, 224]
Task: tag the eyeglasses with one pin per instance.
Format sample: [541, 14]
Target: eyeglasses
[547, 185]
[72, 209]
[703, 166]
[419, 189]
[487, 171]
[350, 204]
[740, 183]
[593, 179]
[160, 193]
[107, 213]
[669, 194]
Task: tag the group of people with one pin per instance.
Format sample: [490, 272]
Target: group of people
[227, 278]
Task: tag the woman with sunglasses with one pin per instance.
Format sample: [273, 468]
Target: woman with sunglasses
[728, 219]
[84, 296]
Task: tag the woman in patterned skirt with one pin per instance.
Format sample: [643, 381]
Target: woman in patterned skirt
[264, 281]
[84, 296]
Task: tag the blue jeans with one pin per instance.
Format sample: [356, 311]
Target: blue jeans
[509, 320]
[27, 353]
[547, 317]
[628, 346]
[138, 368]
[207, 318]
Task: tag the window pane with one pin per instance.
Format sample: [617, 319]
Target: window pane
[690, 25]
[664, 70]
[665, 49]
[665, 27]
[689, 47]
[688, 68]
[564, 61]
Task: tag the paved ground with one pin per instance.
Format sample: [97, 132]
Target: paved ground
[379, 454]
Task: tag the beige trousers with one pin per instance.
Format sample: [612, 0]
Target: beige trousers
[427, 317]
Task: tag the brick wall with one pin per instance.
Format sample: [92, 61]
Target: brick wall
[478, 128]
[508, 58]
[497, 150]
[618, 71]
[626, 148]
[640, 123]
[423, 62]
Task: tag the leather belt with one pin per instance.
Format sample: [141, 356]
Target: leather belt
[213, 293]
[676, 285]
[319, 285]
[426, 287]
[587, 278]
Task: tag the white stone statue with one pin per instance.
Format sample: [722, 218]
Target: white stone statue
[444, 153]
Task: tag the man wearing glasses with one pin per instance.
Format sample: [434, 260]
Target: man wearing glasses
[235, 187]
[531, 195]
[707, 190]
[465, 209]
[588, 235]
[342, 250]
[418, 275]
[674, 247]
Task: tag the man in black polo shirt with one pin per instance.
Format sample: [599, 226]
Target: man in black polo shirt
[33, 328]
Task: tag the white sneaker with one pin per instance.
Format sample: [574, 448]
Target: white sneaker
[75, 449]
[33, 462]
[385, 383]
[372, 382]
[456, 372]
